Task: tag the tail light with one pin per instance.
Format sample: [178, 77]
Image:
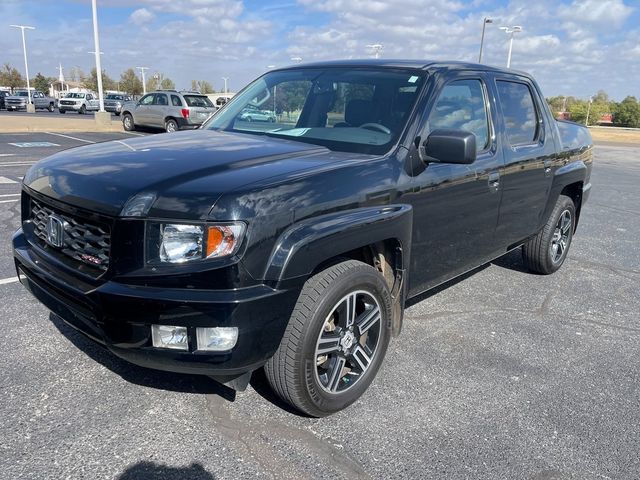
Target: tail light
[185, 113]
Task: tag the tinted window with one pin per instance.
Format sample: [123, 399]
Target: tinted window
[518, 109]
[161, 99]
[175, 101]
[461, 106]
[198, 101]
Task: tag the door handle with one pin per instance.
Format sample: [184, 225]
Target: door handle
[494, 181]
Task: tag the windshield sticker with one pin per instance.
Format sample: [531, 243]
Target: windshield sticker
[413, 79]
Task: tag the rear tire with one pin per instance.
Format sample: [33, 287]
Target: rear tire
[546, 252]
[171, 126]
[335, 341]
[127, 122]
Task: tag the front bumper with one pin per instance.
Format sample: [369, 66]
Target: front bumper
[75, 107]
[16, 106]
[113, 108]
[119, 316]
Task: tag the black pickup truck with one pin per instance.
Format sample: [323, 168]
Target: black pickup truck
[294, 244]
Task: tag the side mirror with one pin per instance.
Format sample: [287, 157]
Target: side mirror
[448, 146]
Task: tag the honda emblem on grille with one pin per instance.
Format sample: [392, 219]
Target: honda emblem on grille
[55, 231]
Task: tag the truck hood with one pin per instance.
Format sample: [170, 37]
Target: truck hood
[186, 172]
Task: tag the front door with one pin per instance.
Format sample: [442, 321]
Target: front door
[142, 112]
[456, 206]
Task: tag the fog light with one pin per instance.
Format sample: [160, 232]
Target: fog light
[216, 339]
[168, 336]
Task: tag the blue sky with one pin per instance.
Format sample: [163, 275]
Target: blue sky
[573, 47]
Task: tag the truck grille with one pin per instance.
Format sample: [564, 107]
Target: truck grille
[84, 242]
[67, 102]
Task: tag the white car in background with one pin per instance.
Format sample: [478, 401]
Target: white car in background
[79, 102]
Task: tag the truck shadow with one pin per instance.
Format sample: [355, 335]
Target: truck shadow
[184, 383]
[153, 471]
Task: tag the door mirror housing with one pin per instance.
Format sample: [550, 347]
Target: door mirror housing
[449, 146]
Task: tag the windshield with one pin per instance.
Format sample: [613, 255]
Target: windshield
[361, 110]
[74, 95]
[114, 97]
[198, 101]
[22, 94]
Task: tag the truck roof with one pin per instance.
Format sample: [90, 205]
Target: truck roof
[407, 63]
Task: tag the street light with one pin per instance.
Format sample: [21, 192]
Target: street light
[377, 49]
[511, 31]
[144, 86]
[225, 84]
[586, 122]
[96, 42]
[30, 109]
[484, 24]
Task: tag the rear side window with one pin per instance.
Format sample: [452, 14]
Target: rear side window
[161, 99]
[198, 101]
[175, 101]
[519, 112]
[461, 106]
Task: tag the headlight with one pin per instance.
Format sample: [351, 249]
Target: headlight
[180, 243]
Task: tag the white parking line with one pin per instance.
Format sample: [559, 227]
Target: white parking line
[5, 180]
[17, 164]
[7, 154]
[11, 195]
[9, 201]
[69, 136]
[137, 134]
[4, 281]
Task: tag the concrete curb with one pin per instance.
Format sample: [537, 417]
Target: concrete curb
[20, 124]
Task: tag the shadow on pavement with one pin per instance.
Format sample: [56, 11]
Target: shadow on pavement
[185, 383]
[153, 471]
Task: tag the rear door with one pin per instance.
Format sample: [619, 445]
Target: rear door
[456, 206]
[529, 153]
[200, 107]
[159, 110]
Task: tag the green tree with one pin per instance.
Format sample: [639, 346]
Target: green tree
[167, 84]
[580, 108]
[202, 86]
[11, 77]
[42, 83]
[627, 113]
[130, 83]
[91, 82]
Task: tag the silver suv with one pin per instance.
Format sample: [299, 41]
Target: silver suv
[167, 109]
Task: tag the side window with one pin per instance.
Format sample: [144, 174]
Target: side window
[519, 111]
[161, 99]
[175, 101]
[461, 106]
[147, 99]
[89, 96]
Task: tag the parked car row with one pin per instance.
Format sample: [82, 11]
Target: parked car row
[72, 102]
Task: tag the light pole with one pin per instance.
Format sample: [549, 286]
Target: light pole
[377, 49]
[484, 25]
[144, 86]
[225, 84]
[30, 108]
[586, 122]
[96, 42]
[511, 31]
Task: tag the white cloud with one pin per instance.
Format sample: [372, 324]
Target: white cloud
[607, 13]
[141, 16]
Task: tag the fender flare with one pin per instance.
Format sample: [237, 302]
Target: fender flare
[573, 172]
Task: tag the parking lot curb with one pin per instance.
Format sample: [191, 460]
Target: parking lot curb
[23, 123]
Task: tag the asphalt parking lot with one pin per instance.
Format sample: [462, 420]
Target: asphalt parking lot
[502, 374]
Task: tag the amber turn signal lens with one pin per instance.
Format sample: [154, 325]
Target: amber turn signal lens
[223, 239]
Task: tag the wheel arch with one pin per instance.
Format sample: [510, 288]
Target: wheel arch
[378, 236]
[568, 180]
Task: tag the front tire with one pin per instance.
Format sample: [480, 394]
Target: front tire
[546, 252]
[82, 110]
[335, 341]
[127, 122]
[51, 107]
[62, 111]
